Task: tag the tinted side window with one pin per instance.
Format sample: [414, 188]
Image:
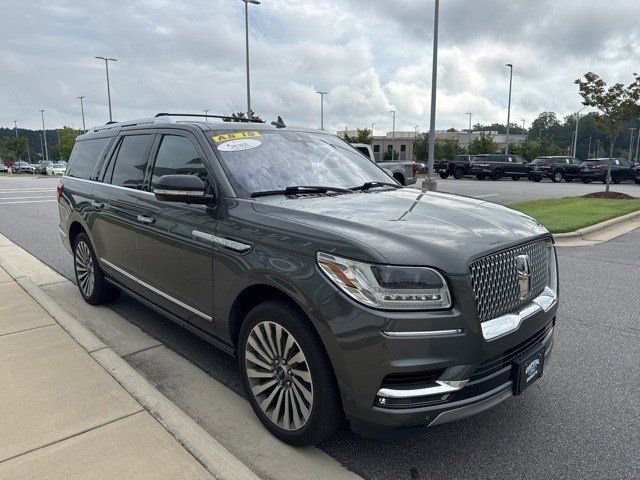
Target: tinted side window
[84, 157]
[131, 161]
[178, 156]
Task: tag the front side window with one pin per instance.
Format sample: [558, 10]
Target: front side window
[275, 160]
[84, 157]
[131, 161]
[178, 156]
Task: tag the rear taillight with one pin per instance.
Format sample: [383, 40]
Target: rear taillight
[414, 168]
[58, 191]
[597, 167]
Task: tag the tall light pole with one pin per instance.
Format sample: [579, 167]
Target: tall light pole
[84, 128]
[589, 153]
[431, 180]
[372, 125]
[631, 142]
[322, 94]
[44, 135]
[246, 35]
[637, 147]
[206, 114]
[510, 65]
[393, 128]
[15, 126]
[106, 66]
[469, 131]
[575, 137]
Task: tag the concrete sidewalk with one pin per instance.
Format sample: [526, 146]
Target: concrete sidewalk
[63, 416]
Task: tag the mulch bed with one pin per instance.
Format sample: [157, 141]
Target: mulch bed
[610, 195]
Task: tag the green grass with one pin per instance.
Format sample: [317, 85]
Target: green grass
[562, 215]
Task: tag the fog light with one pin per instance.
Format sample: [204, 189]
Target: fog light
[382, 401]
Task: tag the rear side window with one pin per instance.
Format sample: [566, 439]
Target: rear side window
[84, 157]
[178, 156]
[131, 161]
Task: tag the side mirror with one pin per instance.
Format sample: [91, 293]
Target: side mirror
[181, 188]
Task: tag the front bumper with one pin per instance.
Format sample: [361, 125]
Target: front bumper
[369, 347]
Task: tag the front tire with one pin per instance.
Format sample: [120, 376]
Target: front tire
[497, 175]
[287, 375]
[89, 276]
[480, 176]
[458, 173]
[557, 177]
[444, 176]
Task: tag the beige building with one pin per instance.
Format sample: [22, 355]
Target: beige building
[402, 142]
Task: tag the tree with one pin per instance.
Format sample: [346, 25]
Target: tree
[13, 148]
[362, 136]
[616, 104]
[67, 140]
[240, 116]
[484, 143]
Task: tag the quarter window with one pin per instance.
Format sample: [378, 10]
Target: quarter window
[131, 161]
[178, 156]
[85, 156]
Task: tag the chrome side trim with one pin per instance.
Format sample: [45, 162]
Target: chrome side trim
[155, 290]
[109, 185]
[427, 333]
[225, 242]
[441, 387]
[182, 193]
[510, 322]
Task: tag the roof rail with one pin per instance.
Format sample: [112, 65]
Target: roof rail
[227, 118]
[130, 123]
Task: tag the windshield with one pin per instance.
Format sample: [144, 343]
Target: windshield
[275, 160]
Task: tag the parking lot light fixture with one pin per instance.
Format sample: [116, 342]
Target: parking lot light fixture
[322, 94]
[431, 180]
[372, 125]
[246, 37]
[106, 66]
[393, 128]
[510, 65]
[469, 131]
[44, 135]
[637, 147]
[575, 137]
[15, 126]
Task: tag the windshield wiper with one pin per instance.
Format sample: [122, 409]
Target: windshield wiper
[300, 189]
[370, 185]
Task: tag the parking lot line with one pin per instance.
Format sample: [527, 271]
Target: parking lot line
[29, 201]
[25, 198]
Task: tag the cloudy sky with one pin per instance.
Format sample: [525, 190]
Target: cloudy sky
[372, 56]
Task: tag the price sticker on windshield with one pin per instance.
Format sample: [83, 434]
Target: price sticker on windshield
[234, 136]
[239, 145]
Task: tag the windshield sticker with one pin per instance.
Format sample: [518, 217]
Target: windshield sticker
[239, 145]
[234, 136]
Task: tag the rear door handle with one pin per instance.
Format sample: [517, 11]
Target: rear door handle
[146, 219]
[97, 204]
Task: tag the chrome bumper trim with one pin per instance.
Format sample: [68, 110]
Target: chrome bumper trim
[426, 333]
[510, 322]
[441, 387]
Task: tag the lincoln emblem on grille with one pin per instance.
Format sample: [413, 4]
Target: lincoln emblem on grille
[524, 275]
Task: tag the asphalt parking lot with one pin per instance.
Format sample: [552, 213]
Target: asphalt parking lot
[581, 420]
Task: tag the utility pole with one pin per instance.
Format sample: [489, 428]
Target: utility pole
[372, 125]
[469, 131]
[106, 66]
[15, 126]
[84, 128]
[246, 33]
[393, 130]
[431, 184]
[575, 137]
[510, 65]
[631, 142]
[322, 94]
[44, 135]
[589, 153]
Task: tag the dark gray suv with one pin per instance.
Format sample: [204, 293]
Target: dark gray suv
[343, 295]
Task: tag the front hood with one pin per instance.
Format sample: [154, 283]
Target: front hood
[411, 227]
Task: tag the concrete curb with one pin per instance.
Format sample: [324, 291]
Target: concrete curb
[597, 228]
[221, 463]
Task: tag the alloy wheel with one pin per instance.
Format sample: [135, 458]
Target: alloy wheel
[84, 269]
[279, 376]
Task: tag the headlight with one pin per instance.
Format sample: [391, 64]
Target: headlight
[387, 287]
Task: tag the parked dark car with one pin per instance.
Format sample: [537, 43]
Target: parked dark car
[637, 174]
[555, 168]
[283, 246]
[456, 168]
[22, 167]
[42, 167]
[498, 166]
[3, 168]
[596, 170]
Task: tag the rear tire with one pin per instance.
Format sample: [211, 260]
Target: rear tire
[557, 177]
[515, 178]
[89, 276]
[585, 180]
[458, 173]
[287, 375]
[497, 175]
[568, 180]
[444, 176]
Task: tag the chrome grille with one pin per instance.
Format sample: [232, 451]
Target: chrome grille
[494, 279]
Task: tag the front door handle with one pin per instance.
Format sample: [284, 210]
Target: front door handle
[97, 204]
[146, 219]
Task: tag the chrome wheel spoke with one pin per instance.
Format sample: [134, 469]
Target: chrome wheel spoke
[281, 386]
[84, 269]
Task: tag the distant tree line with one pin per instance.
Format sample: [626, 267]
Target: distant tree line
[29, 145]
